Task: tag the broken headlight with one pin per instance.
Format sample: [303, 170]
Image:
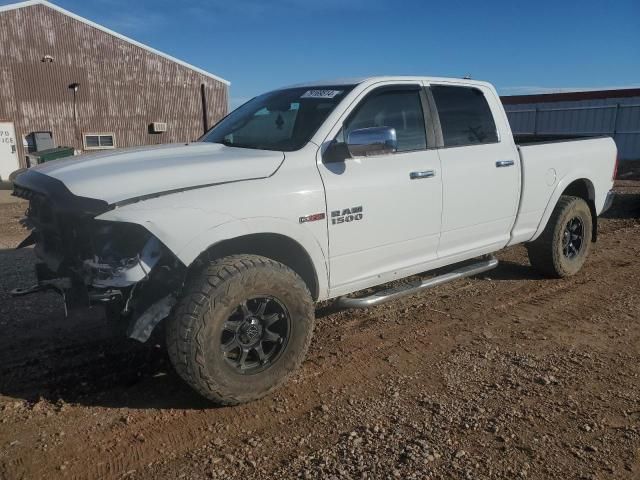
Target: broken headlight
[125, 254]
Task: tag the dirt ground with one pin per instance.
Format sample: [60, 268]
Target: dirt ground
[508, 375]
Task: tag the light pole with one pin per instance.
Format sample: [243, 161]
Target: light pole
[75, 86]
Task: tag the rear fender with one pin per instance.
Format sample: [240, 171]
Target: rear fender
[557, 193]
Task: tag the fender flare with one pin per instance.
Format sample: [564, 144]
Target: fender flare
[557, 193]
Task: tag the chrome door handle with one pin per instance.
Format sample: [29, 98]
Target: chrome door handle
[423, 174]
[504, 163]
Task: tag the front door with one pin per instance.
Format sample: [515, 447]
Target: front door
[384, 210]
[8, 151]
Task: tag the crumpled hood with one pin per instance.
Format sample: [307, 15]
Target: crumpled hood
[126, 174]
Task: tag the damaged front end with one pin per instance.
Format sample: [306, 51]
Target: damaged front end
[118, 265]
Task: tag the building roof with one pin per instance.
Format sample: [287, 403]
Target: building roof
[570, 96]
[29, 3]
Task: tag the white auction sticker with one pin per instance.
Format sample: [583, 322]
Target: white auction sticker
[321, 93]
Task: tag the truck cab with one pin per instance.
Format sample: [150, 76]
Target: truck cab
[447, 133]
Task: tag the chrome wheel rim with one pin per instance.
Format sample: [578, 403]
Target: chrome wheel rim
[255, 334]
[573, 238]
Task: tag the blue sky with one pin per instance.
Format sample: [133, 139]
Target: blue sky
[521, 47]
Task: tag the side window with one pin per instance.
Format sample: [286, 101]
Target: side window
[401, 110]
[465, 116]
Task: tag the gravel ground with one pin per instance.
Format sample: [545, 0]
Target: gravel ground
[508, 375]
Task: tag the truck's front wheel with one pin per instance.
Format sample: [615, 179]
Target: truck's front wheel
[562, 248]
[243, 326]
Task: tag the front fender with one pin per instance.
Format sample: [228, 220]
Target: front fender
[183, 231]
[256, 225]
[175, 226]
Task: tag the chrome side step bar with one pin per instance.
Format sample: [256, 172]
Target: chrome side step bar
[408, 289]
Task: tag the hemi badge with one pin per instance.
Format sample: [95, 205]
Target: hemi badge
[312, 218]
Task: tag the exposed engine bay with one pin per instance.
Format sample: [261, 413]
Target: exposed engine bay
[120, 266]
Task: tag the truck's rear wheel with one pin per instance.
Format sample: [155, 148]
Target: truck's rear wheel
[243, 325]
[562, 248]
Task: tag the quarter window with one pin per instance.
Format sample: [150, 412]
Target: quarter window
[465, 116]
[401, 110]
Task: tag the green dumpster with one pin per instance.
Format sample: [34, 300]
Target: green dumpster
[43, 156]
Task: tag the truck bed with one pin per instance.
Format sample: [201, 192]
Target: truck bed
[549, 166]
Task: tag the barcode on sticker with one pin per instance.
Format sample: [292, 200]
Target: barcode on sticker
[321, 93]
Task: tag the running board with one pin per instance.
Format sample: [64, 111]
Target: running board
[384, 296]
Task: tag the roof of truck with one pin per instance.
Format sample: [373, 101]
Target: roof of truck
[386, 78]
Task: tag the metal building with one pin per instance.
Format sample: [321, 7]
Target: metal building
[590, 113]
[65, 80]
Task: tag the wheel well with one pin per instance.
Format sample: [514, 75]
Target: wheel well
[274, 246]
[583, 188]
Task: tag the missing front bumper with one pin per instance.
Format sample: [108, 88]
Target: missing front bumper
[75, 296]
[74, 293]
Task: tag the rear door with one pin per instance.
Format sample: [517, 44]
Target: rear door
[480, 172]
[384, 210]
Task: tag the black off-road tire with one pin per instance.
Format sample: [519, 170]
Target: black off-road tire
[546, 252]
[211, 296]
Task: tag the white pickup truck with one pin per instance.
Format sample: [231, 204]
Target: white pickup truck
[304, 194]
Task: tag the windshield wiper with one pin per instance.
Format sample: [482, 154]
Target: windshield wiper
[227, 143]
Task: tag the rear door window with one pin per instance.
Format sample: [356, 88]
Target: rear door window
[465, 116]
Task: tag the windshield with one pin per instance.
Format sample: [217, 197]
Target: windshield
[280, 120]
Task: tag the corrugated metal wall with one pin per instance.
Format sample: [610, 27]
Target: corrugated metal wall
[123, 88]
[617, 117]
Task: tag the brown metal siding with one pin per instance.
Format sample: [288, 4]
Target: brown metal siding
[123, 88]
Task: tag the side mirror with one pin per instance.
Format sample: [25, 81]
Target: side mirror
[372, 141]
